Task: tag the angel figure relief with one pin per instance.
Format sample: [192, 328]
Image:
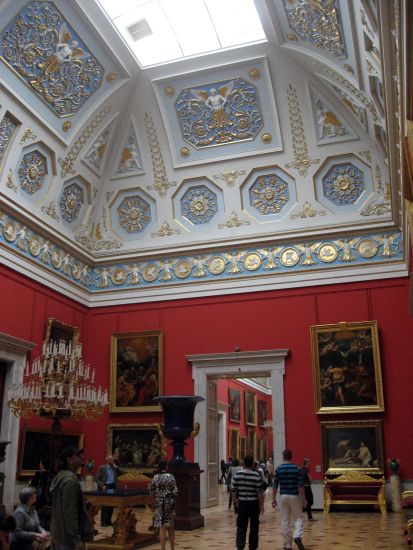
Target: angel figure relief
[216, 103]
[346, 247]
[66, 50]
[308, 251]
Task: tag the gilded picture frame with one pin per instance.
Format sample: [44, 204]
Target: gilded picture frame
[36, 446]
[251, 443]
[352, 445]
[136, 371]
[233, 443]
[262, 412]
[137, 447]
[57, 330]
[250, 412]
[346, 368]
[234, 399]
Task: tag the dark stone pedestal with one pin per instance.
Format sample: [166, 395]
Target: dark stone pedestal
[188, 502]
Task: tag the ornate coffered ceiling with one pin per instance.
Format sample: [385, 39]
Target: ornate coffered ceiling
[267, 166]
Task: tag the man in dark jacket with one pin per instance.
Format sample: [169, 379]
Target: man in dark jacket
[107, 480]
[70, 526]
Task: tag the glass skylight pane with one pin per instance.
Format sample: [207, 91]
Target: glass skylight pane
[192, 25]
[236, 21]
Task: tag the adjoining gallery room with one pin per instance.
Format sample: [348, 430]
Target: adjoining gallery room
[206, 213]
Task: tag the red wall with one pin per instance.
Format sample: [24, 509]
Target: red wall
[265, 320]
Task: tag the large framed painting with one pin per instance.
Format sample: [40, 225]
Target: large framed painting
[251, 443]
[36, 446]
[233, 442]
[250, 418]
[262, 412]
[242, 447]
[262, 449]
[352, 445]
[234, 398]
[136, 371]
[346, 368]
[57, 331]
[137, 446]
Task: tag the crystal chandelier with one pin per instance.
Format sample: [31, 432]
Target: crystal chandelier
[59, 383]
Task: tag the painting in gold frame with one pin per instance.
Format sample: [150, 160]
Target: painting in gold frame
[56, 331]
[346, 368]
[234, 398]
[36, 446]
[262, 412]
[250, 415]
[136, 371]
[352, 445]
[262, 448]
[137, 447]
[242, 447]
[233, 442]
[251, 443]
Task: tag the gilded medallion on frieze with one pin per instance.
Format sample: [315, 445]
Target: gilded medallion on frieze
[42, 48]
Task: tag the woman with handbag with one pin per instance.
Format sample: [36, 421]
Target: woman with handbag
[164, 488]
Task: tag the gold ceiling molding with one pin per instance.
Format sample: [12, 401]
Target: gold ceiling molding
[376, 209]
[165, 231]
[307, 211]
[162, 183]
[366, 155]
[229, 177]
[10, 183]
[50, 210]
[302, 161]
[68, 162]
[28, 134]
[233, 221]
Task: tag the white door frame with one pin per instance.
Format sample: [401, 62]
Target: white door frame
[242, 364]
[14, 352]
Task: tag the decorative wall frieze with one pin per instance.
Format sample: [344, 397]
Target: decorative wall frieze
[307, 211]
[229, 177]
[50, 210]
[68, 161]
[162, 183]
[302, 161]
[233, 221]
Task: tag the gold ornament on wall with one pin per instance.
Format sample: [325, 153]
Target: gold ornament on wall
[254, 74]
[66, 126]
[10, 183]
[185, 152]
[28, 134]
[266, 138]
[169, 91]
[111, 77]
[302, 161]
[50, 210]
[229, 177]
[233, 221]
[307, 211]
[165, 231]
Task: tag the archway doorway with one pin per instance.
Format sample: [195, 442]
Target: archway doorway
[243, 364]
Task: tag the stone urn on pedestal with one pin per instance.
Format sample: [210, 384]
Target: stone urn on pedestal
[178, 426]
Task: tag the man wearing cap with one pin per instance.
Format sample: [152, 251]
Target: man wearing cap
[107, 480]
[70, 526]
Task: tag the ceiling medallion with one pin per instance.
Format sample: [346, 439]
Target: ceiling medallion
[185, 152]
[183, 269]
[32, 171]
[229, 177]
[28, 134]
[343, 184]
[327, 253]
[318, 23]
[169, 91]
[199, 204]
[162, 183]
[266, 138]
[367, 248]
[150, 272]
[254, 73]
[233, 221]
[289, 257]
[307, 211]
[269, 194]
[119, 276]
[71, 202]
[67, 163]
[66, 125]
[216, 265]
[134, 214]
[302, 161]
[252, 261]
[50, 210]
[165, 231]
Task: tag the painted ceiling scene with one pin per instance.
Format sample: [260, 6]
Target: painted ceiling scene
[160, 148]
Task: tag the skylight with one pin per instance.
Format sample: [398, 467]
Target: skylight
[165, 30]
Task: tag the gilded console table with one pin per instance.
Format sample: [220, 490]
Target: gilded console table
[125, 536]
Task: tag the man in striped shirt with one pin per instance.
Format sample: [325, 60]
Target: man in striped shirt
[247, 493]
[289, 481]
